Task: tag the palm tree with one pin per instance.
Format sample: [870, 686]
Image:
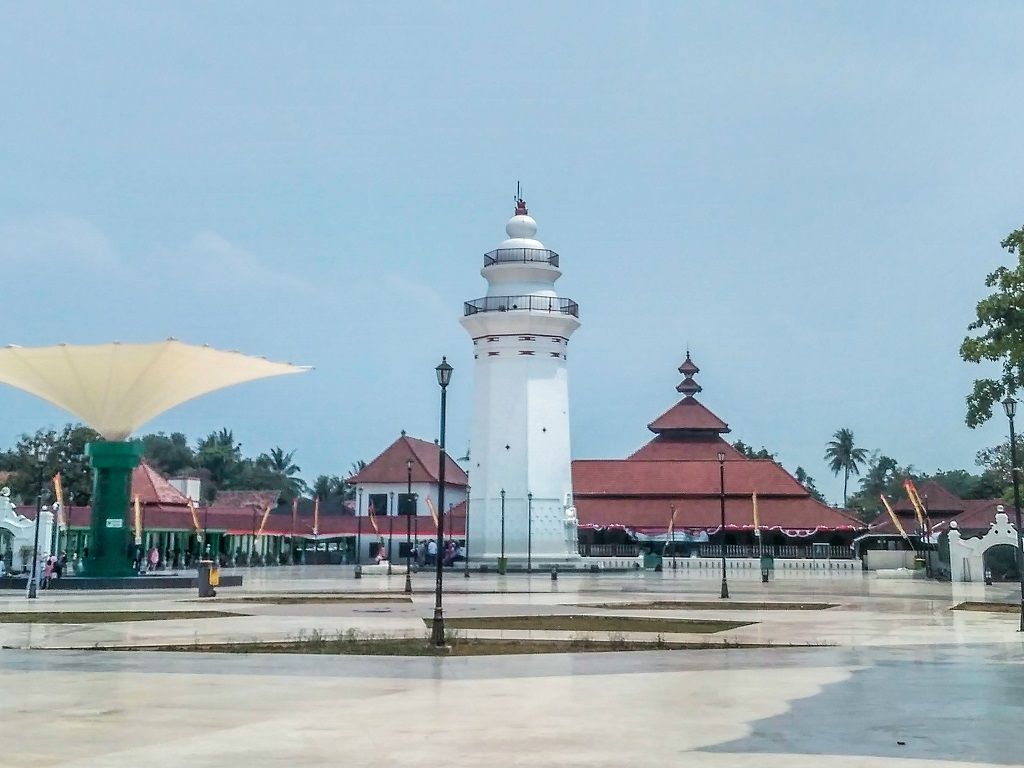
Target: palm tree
[843, 456]
[283, 464]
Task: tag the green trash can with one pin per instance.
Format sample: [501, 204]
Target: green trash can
[209, 577]
[502, 565]
[767, 566]
[652, 561]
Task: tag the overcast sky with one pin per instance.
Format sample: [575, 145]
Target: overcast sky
[808, 195]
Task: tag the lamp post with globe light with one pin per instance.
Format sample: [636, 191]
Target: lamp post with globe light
[444, 377]
[721, 497]
[1010, 406]
[409, 508]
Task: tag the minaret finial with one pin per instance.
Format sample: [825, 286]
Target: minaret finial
[520, 203]
[688, 386]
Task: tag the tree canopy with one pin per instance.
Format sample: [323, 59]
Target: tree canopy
[843, 456]
[999, 336]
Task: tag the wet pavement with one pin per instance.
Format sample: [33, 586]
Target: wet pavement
[889, 677]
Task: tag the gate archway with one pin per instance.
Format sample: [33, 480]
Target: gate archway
[1001, 561]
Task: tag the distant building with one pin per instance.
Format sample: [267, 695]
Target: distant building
[630, 500]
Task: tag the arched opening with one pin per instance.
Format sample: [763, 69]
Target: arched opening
[1001, 560]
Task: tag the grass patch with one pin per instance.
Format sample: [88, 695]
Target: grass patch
[104, 617]
[586, 623]
[309, 599]
[352, 642]
[709, 605]
[988, 607]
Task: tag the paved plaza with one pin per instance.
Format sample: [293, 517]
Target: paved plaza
[890, 676]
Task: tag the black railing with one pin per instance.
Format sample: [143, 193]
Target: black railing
[551, 304]
[776, 550]
[521, 256]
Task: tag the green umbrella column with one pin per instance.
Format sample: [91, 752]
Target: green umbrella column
[111, 535]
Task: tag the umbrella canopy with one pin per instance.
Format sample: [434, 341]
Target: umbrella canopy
[116, 388]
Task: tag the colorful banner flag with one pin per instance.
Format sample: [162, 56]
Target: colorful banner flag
[757, 518]
[58, 493]
[138, 521]
[433, 512]
[316, 515]
[195, 518]
[263, 522]
[373, 517]
[671, 521]
[295, 513]
[915, 499]
[892, 514]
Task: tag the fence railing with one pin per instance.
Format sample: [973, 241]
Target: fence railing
[776, 550]
[553, 304]
[521, 256]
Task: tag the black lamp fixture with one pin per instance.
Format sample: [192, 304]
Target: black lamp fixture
[39, 454]
[721, 497]
[408, 523]
[444, 377]
[1010, 406]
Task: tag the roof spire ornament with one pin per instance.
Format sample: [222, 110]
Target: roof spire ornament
[688, 386]
[520, 203]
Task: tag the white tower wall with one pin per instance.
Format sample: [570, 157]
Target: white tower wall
[520, 426]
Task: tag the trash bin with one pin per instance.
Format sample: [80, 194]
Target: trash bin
[652, 561]
[767, 566]
[502, 565]
[209, 577]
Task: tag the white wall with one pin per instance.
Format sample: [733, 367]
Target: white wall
[967, 555]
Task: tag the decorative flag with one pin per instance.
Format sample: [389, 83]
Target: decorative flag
[671, 521]
[58, 492]
[138, 521]
[915, 499]
[757, 519]
[433, 512]
[195, 517]
[316, 515]
[263, 522]
[895, 520]
[295, 512]
[373, 517]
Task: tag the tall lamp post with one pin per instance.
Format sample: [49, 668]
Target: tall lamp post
[391, 531]
[465, 532]
[501, 562]
[1010, 406]
[408, 525]
[33, 578]
[529, 532]
[721, 498]
[444, 376]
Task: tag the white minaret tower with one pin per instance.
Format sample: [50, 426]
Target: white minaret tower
[520, 433]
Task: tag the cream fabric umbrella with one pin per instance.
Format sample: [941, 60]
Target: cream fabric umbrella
[116, 388]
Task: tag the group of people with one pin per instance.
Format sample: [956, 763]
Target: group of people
[53, 568]
[426, 553]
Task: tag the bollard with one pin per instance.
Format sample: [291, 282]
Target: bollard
[358, 571]
[554, 573]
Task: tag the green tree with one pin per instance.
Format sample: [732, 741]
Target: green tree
[844, 456]
[62, 451]
[329, 487]
[1000, 334]
[171, 455]
[221, 457]
[808, 482]
[281, 463]
[750, 453]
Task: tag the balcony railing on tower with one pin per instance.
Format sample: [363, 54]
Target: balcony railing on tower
[553, 304]
[521, 256]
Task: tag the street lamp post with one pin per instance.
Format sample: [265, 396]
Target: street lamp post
[33, 579]
[359, 535]
[391, 531]
[721, 498]
[1010, 406]
[529, 532]
[408, 525]
[465, 532]
[501, 562]
[444, 376]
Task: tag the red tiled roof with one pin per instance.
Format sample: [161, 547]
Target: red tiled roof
[670, 448]
[390, 466]
[939, 499]
[688, 414]
[151, 488]
[652, 515]
[687, 478]
[981, 513]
